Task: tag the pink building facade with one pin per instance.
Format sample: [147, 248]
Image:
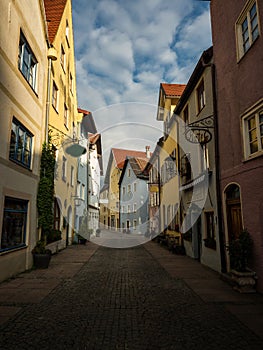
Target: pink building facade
[237, 31]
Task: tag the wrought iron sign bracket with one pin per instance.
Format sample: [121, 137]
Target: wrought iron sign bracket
[199, 131]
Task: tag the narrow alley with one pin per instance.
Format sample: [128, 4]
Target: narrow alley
[94, 297]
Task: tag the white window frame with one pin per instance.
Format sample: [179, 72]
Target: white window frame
[27, 62]
[66, 115]
[201, 99]
[67, 33]
[63, 58]
[72, 175]
[255, 112]
[64, 169]
[245, 15]
[55, 96]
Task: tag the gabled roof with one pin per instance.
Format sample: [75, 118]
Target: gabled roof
[138, 165]
[54, 10]
[118, 156]
[172, 90]
[121, 154]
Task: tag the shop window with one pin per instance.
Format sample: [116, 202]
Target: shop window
[14, 223]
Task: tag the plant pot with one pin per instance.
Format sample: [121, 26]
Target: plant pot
[41, 261]
[245, 281]
[82, 241]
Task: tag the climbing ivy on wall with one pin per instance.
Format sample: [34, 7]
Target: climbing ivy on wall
[45, 196]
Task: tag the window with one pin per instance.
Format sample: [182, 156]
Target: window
[134, 207]
[57, 214]
[83, 191]
[72, 173]
[27, 62]
[129, 209]
[55, 96]
[123, 190]
[65, 115]
[186, 115]
[210, 240]
[247, 28]
[253, 133]
[67, 32]
[63, 58]
[201, 96]
[78, 189]
[64, 169]
[71, 83]
[186, 169]
[14, 223]
[135, 187]
[20, 144]
[134, 224]
[129, 172]
[129, 188]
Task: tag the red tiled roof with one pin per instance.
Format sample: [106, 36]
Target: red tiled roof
[121, 154]
[83, 111]
[54, 11]
[173, 89]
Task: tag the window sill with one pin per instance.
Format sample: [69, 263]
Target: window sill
[12, 250]
[240, 57]
[20, 164]
[253, 156]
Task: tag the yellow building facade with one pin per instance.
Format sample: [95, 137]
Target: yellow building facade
[169, 95]
[62, 113]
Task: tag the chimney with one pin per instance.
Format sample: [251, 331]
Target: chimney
[148, 154]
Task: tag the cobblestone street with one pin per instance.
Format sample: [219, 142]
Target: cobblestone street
[102, 298]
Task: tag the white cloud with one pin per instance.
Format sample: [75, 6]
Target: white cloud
[124, 49]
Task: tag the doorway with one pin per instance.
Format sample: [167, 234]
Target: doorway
[233, 212]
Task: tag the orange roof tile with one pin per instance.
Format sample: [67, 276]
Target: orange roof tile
[54, 11]
[173, 89]
[121, 154]
[83, 111]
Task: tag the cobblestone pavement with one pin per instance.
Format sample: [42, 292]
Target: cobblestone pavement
[124, 299]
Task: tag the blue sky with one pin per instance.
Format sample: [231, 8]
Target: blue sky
[124, 50]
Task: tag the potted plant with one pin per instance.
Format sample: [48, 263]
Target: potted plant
[240, 250]
[41, 255]
[45, 198]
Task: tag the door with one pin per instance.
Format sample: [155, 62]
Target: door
[234, 220]
[234, 213]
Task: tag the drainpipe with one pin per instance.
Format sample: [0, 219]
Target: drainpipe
[217, 159]
[52, 56]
